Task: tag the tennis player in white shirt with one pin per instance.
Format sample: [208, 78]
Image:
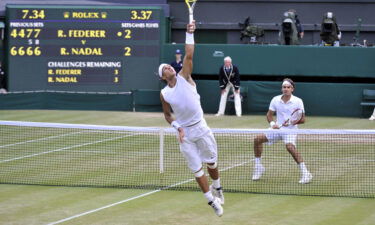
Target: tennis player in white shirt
[197, 143]
[283, 105]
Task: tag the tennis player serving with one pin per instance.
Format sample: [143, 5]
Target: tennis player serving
[285, 106]
[197, 143]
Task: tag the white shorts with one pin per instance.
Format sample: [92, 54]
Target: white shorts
[199, 146]
[287, 138]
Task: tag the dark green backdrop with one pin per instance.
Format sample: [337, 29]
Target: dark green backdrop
[324, 99]
[278, 60]
[320, 98]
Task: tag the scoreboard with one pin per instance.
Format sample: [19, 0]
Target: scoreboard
[83, 48]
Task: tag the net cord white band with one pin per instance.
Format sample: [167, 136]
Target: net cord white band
[172, 130]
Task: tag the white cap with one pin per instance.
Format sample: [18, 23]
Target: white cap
[160, 71]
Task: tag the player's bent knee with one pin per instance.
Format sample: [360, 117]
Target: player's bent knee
[260, 139]
[199, 173]
[290, 146]
[212, 166]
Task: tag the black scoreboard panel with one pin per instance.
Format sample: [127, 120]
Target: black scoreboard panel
[83, 48]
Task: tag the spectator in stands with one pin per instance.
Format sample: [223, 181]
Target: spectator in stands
[177, 63]
[196, 140]
[283, 105]
[330, 32]
[2, 81]
[372, 117]
[229, 78]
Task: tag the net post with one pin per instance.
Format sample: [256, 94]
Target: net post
[161, 151]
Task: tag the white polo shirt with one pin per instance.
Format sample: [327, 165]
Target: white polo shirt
[284, 109]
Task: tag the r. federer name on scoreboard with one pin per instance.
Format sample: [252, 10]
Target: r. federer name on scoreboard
[64, 72]
[82, 33]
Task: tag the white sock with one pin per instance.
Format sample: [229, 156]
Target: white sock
[216, 183]
[303, 168]
[208, 195]
[258, 161]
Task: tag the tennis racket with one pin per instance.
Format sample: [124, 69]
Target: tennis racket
[191, 4]
[294, 118]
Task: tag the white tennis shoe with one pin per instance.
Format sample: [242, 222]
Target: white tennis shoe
[218, 192]
[371, 118]
[258, 172]
[216, 205]
[306, 178]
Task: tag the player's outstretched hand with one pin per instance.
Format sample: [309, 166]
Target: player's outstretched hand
[190, 28]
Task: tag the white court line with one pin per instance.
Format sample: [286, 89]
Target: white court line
[112, 152]
[136, 197]
[62, 149]
[104, 207]
[40, 139]
[319, 159]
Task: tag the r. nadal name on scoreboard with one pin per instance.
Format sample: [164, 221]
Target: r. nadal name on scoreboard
[81, 51]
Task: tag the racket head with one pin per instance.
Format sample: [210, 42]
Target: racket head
[191, 4]
[296, 116]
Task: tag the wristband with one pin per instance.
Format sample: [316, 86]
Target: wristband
[272, 123]
[189, 39]
[175, 125]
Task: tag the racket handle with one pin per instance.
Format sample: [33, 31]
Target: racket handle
[191, 18]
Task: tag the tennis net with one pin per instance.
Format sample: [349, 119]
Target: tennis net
[341, 161]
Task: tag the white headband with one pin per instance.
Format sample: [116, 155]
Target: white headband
[286, 82]
[161, 69]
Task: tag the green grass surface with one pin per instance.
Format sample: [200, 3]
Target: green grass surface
[33, 204]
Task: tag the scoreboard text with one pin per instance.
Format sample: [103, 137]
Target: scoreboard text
[82, 48]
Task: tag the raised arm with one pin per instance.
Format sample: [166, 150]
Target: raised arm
[187, 66]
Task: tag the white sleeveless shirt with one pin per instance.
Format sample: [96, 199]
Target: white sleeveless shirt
[185, 102]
